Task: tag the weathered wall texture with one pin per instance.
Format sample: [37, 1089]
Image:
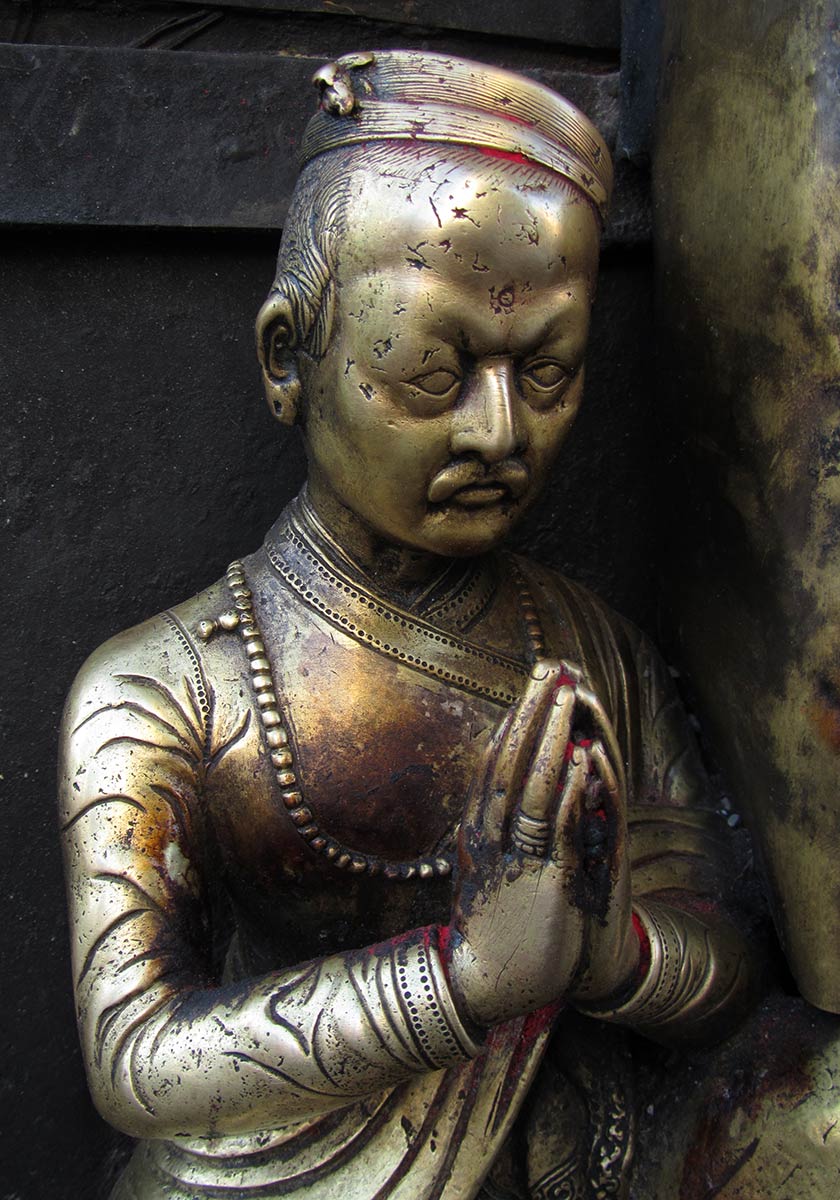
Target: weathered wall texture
[148, 159]
[747, 190]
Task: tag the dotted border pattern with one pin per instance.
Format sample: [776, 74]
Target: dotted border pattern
[469, 601]
[416, 970]
[509, 666]
[282, 758]
[198, 675]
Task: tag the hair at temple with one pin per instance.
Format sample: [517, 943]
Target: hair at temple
[319, 215]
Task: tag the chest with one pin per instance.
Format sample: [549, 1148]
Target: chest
[383, 756]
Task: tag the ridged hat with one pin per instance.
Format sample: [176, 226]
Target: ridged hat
[410, 95]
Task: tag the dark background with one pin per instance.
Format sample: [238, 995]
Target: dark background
[148, 156]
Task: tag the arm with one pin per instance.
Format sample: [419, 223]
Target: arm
[694, 978]
[167, 1051]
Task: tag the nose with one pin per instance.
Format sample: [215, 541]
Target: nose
[485, 421]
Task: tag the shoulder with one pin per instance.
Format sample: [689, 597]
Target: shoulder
[161, 665]
[634, 683]
[161, 646]
[597, 626]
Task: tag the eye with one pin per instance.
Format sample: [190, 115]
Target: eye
[545, 375]
[439, 382]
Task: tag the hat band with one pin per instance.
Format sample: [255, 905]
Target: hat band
[383, 120]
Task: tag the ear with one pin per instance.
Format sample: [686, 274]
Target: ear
[277, 352]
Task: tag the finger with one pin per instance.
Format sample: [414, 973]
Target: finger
[520, 740]
[590, 701]
[572, 672]
[570, 808]
[474, 810]
[544, 775]
[613, 948]
[604, 727]
[606, 772]
[614, 823]
[605, 840]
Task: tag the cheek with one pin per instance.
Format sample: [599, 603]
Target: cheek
[547, 431]
[372, 415]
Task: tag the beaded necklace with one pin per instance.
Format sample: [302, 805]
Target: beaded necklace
[277, 739]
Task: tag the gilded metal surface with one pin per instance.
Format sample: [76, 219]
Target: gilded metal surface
[379, 693]
[582, 1131]
[747, 182]
[692, 972]
[756, 1121]
[436, 98]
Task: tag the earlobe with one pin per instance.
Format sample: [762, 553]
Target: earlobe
[277, 352]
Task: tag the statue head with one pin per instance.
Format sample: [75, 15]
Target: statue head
[429, 318]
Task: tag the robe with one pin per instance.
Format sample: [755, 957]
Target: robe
[232, 949]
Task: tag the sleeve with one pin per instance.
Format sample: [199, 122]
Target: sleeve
[167, 1051]
[697, 972]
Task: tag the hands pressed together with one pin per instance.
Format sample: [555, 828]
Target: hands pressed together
[542, 908]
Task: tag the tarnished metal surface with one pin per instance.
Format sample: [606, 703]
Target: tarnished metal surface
[402, 759]
[747, 189]
[756, 1121]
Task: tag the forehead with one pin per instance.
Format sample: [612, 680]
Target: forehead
[478, 224]
[494, 260]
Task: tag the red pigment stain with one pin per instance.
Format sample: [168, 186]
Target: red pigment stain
[444, 938]
[507, 155]
[584, 743]
[537, 1022]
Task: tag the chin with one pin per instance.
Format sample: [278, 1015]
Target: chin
[465, 534]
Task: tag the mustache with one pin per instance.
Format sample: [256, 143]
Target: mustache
[511, 474]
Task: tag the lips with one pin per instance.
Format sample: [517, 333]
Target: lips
[477, 495]
[471, 485]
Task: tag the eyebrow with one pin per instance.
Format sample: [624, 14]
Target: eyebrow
[549, 329]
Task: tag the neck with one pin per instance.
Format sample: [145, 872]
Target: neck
[392, 567]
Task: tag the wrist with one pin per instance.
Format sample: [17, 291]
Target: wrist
[427, 997]
[695, 972]
[458, 963]
[621, 972]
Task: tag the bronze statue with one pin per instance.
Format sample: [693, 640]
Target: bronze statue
[400, 762]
